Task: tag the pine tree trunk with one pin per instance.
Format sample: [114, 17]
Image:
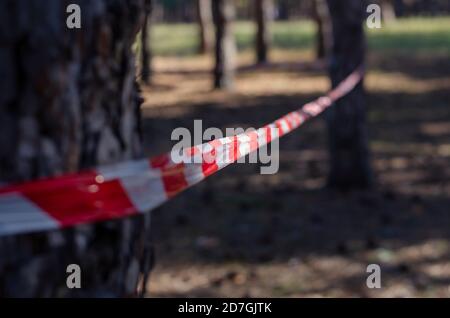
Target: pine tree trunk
[348, 138]
[70, 101]
[324, 29]
[225, 51]
[206, 27]
[146, 53]
[263, 14]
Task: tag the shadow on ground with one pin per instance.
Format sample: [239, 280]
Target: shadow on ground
[242, 234]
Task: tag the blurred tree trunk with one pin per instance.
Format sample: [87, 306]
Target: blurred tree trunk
[70, 101]
[264, 15]
[206, 26]
[388, 9]
[348, 140]
[400, 7]
[324, 29]
[146, 53]
[225, 51]
[283, 10]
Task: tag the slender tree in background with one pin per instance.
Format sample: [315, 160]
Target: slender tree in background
[348, 140]
[146, 53]
[264, 15]
[400, 7]
[321, 14]
[225, 50]
[206, 26]
[69, 101]
[388, 9]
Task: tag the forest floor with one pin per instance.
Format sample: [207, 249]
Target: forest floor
[243, 234]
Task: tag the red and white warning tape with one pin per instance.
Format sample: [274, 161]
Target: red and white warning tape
[135, 187]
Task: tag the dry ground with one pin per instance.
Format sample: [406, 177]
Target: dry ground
[242, 234]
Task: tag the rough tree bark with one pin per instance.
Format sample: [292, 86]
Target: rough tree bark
[69, 101]
[225, 51]
[206, 26]
[263, 16]
[348, 140]
[324, 29]
[146, 53]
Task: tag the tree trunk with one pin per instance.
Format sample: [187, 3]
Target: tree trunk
[264, 15]
[399, 7]
[146, 53]
[69, 101]
[324, 29]
[225, 51]
[206, 28]
[388, 9]
[348, 139]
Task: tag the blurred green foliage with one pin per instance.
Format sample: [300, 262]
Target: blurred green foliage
[417, 34]
[403, 35]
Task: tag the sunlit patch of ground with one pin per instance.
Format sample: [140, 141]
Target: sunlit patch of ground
[243, 234]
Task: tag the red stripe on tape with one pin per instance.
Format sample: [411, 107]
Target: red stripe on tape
[75, 202]
[88, 197]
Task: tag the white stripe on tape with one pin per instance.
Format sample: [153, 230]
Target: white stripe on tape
[244, 145]
[143, 185]
[127, 169]
[18, 214]
[284, 126]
